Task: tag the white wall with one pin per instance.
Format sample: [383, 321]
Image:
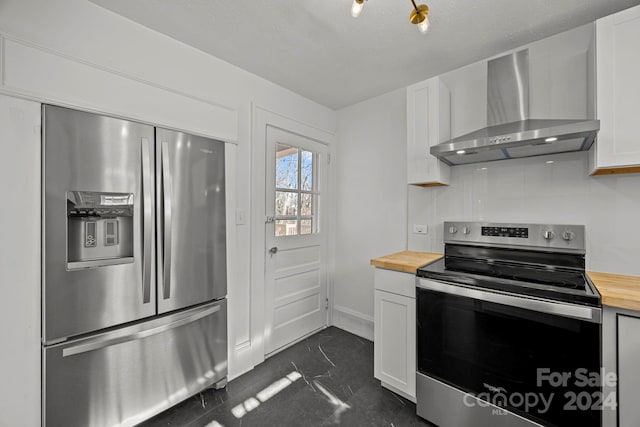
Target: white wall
[533, 191]
[20, 262]
[74, 53]
[371, 178]
[371, 202]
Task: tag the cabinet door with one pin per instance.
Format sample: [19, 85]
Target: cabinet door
[428, 123]
[395, 346]
[628, 370]
[618, 91]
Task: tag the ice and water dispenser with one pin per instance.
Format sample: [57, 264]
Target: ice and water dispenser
[99, 229]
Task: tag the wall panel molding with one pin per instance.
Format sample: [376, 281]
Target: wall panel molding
[36, 72]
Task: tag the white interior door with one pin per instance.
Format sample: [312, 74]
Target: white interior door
[295, 241]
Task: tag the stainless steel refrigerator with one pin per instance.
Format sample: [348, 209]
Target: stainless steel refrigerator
[134, 268]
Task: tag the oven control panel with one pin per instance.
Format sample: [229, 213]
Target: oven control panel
[557, 237]
[518, 232]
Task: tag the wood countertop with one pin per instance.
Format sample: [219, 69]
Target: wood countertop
[405, 261]
[617, 290]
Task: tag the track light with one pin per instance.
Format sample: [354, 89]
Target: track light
[356, 8]
[419, 15]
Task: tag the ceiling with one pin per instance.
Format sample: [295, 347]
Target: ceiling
[316, 49]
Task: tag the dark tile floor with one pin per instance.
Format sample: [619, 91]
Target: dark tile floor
[325, 380]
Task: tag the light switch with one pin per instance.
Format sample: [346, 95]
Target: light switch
[240, 217]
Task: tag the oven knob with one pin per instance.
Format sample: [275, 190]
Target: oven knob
[453, 230]
[568, 235]
[466, 230]
[548, 234]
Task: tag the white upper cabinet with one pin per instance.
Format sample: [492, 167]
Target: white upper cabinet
[428, 123]
[618, 93]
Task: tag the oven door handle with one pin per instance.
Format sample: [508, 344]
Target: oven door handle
[590, 314]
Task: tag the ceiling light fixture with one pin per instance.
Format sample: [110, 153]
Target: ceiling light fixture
[356, 8]
[552, 139]
[419, 15]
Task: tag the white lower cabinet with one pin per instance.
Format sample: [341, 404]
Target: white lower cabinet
[620, 356]
[628, 370]
[395, 332]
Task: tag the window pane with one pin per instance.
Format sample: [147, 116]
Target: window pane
[306, 207]
[286, 203]
[286, 227]
[286, 167]
[305, 226]
[306, 171]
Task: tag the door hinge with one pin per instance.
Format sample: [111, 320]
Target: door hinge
[326, 303]
[328, 158]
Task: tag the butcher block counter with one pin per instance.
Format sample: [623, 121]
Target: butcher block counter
[405, 261]
[617, 290]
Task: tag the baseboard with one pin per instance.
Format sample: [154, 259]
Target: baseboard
[353, 321]
[397, 391]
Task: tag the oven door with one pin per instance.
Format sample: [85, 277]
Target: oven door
[537, 359]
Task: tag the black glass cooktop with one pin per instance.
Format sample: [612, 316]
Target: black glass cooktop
[553, 276]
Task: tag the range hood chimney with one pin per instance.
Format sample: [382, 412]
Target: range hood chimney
[510, 133]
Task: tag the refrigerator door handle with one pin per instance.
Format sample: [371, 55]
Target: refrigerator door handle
[146, 221]
[103, 342]
[166, 194]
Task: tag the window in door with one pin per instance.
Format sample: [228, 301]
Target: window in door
[296, 191]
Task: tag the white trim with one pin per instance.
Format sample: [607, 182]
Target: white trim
[2, 59]
[243, 345]
[398, 391]
[7, 36]
[226, 113]
[20, 309]
[238, 349]
[353, 321]
[260, 119]
[292, 343]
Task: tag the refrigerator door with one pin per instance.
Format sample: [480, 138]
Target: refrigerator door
[128, 375]
[99, 267]
[191, 220]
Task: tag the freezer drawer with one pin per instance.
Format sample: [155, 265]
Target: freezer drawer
[128, 375]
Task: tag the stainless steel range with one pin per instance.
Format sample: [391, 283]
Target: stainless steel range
[508, 329]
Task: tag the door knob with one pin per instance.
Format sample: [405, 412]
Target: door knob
[273, 250]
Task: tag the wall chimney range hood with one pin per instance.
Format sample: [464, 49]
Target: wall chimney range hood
[510, 133]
